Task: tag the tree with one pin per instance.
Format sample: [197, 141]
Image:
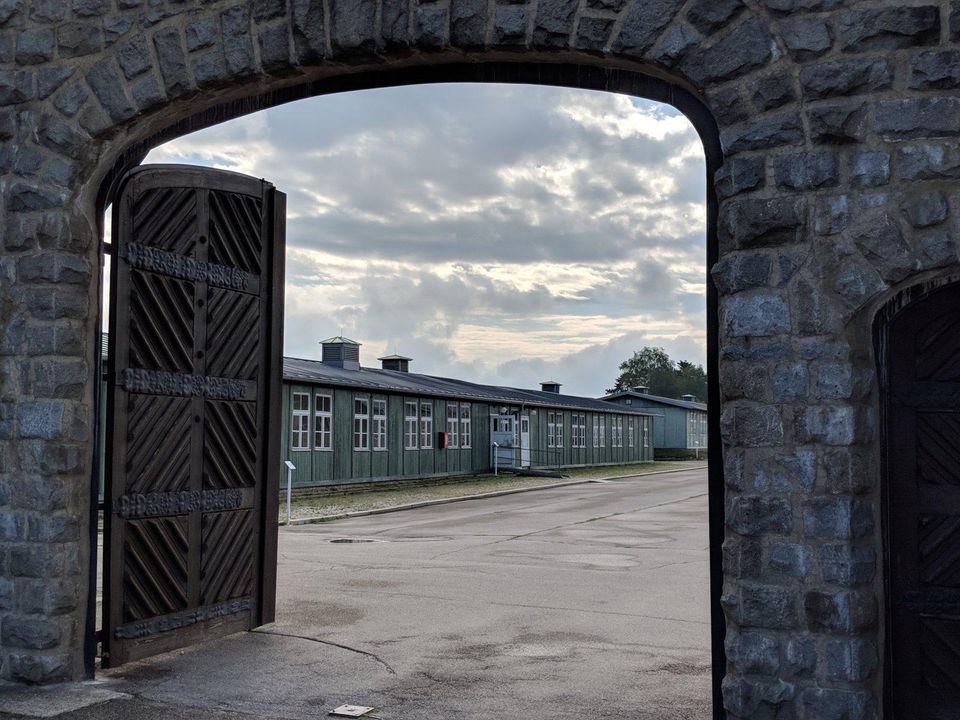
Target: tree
[652, 367]
[640, 369]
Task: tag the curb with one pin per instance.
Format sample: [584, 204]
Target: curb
[479, 496]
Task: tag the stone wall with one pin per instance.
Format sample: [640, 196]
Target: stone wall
[839, 123]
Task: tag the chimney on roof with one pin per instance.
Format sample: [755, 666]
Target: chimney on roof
[341, 352]
[689, 398]
[642, 389]
[551, 386]
[398, 363]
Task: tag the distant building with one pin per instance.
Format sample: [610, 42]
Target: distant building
[679, 431]
[344, 423]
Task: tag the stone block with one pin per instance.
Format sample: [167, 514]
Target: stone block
[838, 124]
[208, 67]
[758, 314]
[772, 607]
[35, 668]
[266, 10]
[837, 518]
[924, 208]
[48, 11]
[133, 57]
[77, 39]
[869, 169]
[936, 70]
[393, 22]
[34, 46]
[790, 382]
[147, 91]
[847, 565]
[728, 106]
[828, 704]
[926, 117]
[801, 656]
[746, 48]
[772, 91]
[935, 249]
[753, 426]
[856, 282]
[879, 238]
[116, 27]
[806, 171]
[52, 529]
[742, 558]
[764, 134]
[41, 419]
[201, 33]
[799, 6]
[107, 85]
[888, 28]
[50, 79]
[274, 44]
[642, 25]
[850, 659]
[352, 26]
[675, 45]
[15, 87]
[791, 559]
[708, 16]
[431, 26]
[757, 699]
[468, 22]
[806, 38]
[30, 633]
[736, 272]
[928, 161]
[752, 223]
[834, 381]
[309, 39]
[592, 32]
[754, 653]
[813, 312]
[739, 175]
[510, 25]
[237, 40]
[754, 515]
[845, 77]
[90, 8]
[843, 611]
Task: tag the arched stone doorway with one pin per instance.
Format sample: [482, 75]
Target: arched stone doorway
[835, 190]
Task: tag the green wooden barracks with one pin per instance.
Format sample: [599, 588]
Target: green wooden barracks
[345, 423]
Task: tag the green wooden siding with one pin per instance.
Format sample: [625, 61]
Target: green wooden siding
[343, 464]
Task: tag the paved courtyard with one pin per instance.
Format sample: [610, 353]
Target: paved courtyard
[583, 601]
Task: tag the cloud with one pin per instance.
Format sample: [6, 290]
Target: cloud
[495, 232]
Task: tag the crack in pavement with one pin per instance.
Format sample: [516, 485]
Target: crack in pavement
[331, 644]
[571, 524]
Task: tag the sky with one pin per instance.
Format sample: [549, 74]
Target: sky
[501, 234]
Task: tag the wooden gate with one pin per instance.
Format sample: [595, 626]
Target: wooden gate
[194, 369]
[919, 343]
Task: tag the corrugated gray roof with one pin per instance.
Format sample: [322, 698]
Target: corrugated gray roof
[686, 404]
[314, 371]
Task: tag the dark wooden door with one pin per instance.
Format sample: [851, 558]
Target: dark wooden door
[194, 367]
[922, 460]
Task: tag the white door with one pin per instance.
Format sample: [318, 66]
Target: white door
[502, 441]
[524, 441]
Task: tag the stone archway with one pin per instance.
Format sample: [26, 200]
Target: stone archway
[837, 128]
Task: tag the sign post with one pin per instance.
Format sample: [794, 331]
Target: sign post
[290, 468]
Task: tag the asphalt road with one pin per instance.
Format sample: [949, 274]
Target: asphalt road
[588, 601]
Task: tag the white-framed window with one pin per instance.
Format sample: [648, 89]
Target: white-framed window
[551, 429]
[466, 436]
[603, 430]
[361, 423]
[379, 423]
[631, 429]
[578, 430]
[596, 431]
[426, 426]
[300, 421]
[616, 430]
[410, 425]
[453, 425]
[646, 432]
[323, 422]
